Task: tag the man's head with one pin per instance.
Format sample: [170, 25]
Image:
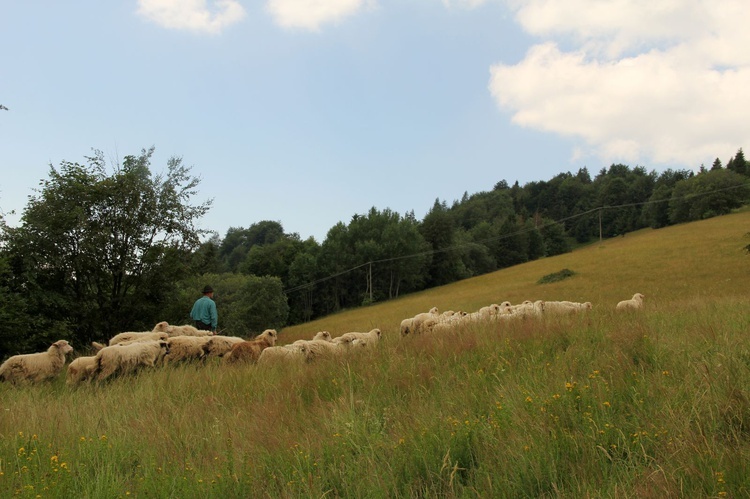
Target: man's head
[208, 290]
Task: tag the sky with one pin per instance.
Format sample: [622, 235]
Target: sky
[308, 112]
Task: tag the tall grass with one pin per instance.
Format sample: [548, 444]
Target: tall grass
[593, 405]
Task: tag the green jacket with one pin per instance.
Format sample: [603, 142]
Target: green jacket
[204, 310]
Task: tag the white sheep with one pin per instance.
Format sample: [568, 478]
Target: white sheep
[298, 352]
[527, 309]
[371, 337]
[320, 335]
[423, 322]
[359, 343]
[219, 345]
[565, 306]
[186, 348]
[407, 326]
[635, 303]
[81, 369]
[490, 311]
[36, 367]
[125, 359]
[186, 330]
[320, 348]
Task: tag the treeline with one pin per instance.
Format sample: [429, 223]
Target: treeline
[101, 251]
[382, 254]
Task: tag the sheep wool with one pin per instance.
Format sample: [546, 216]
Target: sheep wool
[219, 346]
[371, 337]
[296, 352]
[186, 348]
[319, 348]
[635, 303]
[81, 369]
[138, 336]
[185, 330]
[36, 367]
[125, 359]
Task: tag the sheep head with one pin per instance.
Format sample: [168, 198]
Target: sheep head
[162, 327]
[63, 346]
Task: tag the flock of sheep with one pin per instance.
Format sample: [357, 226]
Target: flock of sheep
[129, 352]
[434, 321]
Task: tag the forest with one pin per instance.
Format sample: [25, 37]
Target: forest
[108, 248]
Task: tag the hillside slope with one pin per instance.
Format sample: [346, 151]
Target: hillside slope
[670, 266]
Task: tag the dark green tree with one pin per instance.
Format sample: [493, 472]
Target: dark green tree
[336, 260]
[301, 287]
[261, 304]
[513, 244]
[406, 257]
[439, 230]
[272, 258]
[703, 196]
[555, 241]
[480, 244]
[206, 257]
[738, 164]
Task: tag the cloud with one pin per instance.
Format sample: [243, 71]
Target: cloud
[311, 14]
[469, 4]
[192, 15]
[642, 80]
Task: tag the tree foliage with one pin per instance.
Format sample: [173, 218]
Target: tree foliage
[98, 250]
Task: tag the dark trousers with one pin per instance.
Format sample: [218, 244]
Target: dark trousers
[202, 326]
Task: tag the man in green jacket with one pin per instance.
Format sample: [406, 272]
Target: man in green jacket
[204, 311]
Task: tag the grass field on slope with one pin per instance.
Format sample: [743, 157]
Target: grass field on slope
[651, 404]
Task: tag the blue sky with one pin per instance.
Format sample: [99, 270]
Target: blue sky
[310, 111]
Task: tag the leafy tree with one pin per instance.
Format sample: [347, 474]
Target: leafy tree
[377, 256]
[555, 242]
[206, 257]
[536, 246]
[99, 251]
[656, 213]
[716, 165]
[439, 230]
[512, 245]
[302, 276]
[271, 259]
[336, 259]
[262, 304]
[481, 244]
[406, 255]
[710, 194]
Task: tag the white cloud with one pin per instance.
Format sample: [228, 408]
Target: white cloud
[661, 81]
[311, 14]
[192, 15]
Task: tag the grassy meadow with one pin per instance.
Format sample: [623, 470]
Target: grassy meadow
[602, 404]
